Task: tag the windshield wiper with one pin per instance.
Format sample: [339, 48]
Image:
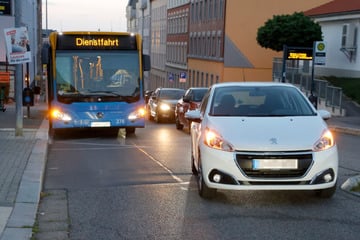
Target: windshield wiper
[103, 92]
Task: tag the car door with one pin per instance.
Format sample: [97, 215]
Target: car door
[196, 129]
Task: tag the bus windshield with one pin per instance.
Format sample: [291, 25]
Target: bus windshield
[97, 73]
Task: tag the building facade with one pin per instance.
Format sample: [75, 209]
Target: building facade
[177, 42]
[138, 14]
[340, 24]
[221, 41]
[158, 76]
[26, 13]
[223, 44]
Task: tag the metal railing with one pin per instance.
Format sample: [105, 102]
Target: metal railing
[331, 95]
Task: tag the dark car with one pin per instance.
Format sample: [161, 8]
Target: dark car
[162, 103]
[190, 101]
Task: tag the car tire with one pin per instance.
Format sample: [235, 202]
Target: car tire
[327, 192]
[179, 126]
[203, 189]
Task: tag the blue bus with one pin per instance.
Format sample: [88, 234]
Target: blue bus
[96, 80]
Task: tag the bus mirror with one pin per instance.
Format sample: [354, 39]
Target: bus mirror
[146, 62]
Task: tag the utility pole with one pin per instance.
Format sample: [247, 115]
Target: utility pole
[18, 78]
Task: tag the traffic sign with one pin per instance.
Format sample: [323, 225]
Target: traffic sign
[320, 53]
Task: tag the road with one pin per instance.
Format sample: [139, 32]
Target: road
[141, 187]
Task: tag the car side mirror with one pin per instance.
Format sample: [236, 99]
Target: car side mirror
[186, 98]
[193, 116]
[324, 114]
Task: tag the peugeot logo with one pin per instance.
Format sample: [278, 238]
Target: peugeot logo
[273, 141]
[99, 115]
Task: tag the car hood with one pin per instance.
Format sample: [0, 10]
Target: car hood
[269, 133]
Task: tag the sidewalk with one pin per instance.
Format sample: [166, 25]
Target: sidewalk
[22, 166]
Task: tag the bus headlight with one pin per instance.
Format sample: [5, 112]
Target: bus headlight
[59, 115]
[139, 113]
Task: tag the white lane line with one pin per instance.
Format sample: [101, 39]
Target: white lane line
[179, 180]
[4, 215]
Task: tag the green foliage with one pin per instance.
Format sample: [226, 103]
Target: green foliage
[350, 86]
[296, 30]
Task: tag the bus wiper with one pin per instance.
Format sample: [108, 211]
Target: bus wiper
[71, 94]
[103, 92]
[125, 98]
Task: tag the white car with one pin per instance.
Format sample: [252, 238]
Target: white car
[261, 136]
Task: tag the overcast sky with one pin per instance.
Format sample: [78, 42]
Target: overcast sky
[88, 15]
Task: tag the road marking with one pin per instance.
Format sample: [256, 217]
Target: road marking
[4, 215]
[176, 178]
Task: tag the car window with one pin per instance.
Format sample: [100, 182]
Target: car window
[204, 102]
[171, 94]
[259, 101]
[198, 94]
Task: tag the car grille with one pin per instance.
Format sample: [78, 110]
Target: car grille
[244, 161]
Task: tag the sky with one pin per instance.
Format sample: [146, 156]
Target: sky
[87, 15]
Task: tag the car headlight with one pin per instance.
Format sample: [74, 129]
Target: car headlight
[326, 141]
[214, 140]
[139, 113]
[60, 115]
[164, 107]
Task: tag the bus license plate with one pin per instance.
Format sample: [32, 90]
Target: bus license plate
[275, 164]
[100, 124]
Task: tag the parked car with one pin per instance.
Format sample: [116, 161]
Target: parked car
[190, 101]
[162, 103]
[261, 136]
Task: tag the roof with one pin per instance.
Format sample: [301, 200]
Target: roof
[338, 7]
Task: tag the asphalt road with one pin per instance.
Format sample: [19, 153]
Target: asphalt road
[141, 187]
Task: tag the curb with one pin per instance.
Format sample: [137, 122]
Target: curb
[346, 130]
[22, 218]
[350, 183]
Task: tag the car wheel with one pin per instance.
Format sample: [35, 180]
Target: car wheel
[179, 126]
[327, 192]
[204, 190]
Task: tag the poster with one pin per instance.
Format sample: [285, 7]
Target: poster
[17, 45]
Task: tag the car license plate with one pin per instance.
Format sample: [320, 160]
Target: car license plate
[100, 124]
[259, 164]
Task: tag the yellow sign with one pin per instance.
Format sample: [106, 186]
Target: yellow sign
[100, 42]
[302, 56]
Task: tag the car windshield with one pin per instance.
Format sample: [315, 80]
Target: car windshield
[108, 74]
[259, 101]
[199, 94]
[171, 94]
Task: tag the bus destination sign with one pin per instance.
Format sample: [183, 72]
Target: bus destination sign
[96, 42]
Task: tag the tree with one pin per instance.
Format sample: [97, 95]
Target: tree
[296, 30]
